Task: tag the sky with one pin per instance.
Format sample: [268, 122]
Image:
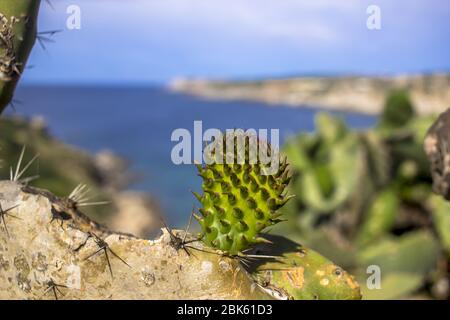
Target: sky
[156, 41]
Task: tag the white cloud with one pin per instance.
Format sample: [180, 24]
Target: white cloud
[288, 19]
[305, 21]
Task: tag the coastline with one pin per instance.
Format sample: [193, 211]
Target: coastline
[430, 93]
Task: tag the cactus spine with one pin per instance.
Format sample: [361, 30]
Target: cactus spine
[18, 20]
[240, 198]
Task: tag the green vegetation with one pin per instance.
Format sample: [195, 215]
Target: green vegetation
[364, 198]
[60, 168]
[239, 200]
[398, 110]
[302, 274]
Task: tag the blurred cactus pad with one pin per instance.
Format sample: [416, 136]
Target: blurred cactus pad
[398, 109]
[300, 273]
[364, 200]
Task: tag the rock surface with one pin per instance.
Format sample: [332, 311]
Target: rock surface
[47, 252]
[437, 148]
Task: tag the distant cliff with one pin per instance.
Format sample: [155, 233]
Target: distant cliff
[430, 93]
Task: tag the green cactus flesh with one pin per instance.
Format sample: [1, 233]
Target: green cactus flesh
[441, 215]
[326, 165]
[380, 216]
[239, 201]
[18, 19]
[304, 274]
[412, 256]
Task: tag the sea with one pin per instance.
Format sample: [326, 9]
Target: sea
[137, 123]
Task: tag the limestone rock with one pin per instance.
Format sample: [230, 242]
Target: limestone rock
[47, 252]
[437, 148]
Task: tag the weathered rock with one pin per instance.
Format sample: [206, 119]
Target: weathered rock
[437, 148]
[48, 246]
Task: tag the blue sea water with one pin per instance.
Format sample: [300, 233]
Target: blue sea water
[137, 123]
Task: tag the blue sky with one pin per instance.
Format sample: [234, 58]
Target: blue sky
[155, 41]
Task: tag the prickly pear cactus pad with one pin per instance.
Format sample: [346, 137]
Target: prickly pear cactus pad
[306, 275]
[18, 19]
[299, 273]
[241, 192]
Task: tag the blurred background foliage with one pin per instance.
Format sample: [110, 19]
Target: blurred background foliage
[59, 168]
[364, 198]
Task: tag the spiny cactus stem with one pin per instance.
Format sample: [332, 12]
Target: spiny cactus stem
[18, 24]
[239, 201]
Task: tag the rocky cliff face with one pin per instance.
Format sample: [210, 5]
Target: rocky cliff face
[429, 93]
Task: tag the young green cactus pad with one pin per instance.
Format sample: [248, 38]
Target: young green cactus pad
[242, 193]
[18, 19]
[302, 274]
